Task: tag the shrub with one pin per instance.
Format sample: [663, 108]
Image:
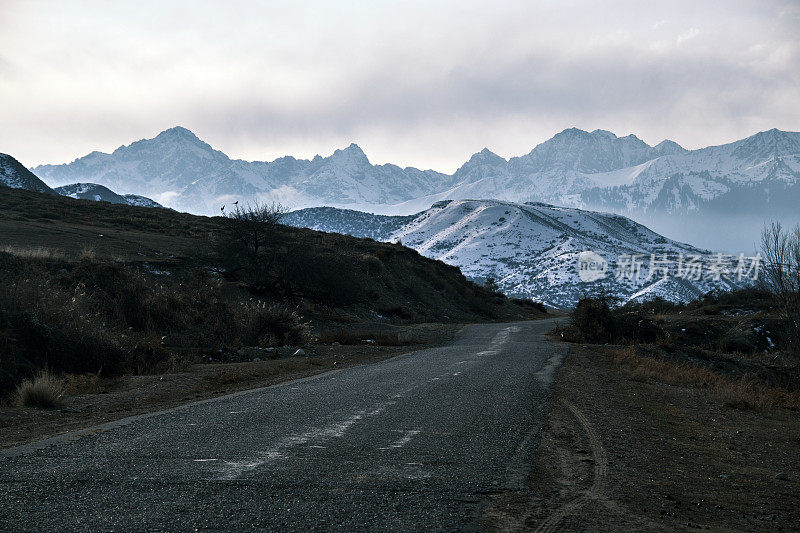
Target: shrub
[596, 321]
[592, 317]
[43, 391]
[272, 325]
[781, 276]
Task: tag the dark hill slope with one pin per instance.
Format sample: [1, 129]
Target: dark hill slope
[329, 271]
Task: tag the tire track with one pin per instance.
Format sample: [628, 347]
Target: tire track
[600, 473]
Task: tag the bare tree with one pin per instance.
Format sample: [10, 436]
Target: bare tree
[250, 245]
[781, 274]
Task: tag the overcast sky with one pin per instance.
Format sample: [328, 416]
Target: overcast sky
[422, 83]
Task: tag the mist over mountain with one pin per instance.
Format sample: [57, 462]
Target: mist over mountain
[686, 194]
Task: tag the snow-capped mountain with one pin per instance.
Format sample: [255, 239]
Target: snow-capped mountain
[690, 194]
[98, 193]
[532, 249]
[13, 174]
[179, 170]
[686, 193]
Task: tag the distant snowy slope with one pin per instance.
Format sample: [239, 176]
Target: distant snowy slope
[98, 193]
[347, 222]
[530, 249]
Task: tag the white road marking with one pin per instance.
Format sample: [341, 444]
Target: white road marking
[234, 469]
[402, 441]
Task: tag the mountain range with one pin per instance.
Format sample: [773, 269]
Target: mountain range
[687, 194]
[532, 250]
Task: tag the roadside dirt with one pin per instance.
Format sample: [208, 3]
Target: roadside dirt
[620, 453]
[132, 395]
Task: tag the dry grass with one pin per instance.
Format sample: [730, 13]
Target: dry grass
[37, 252]
[260, 371]
[43, 391]
[76, 384]
[742, 393]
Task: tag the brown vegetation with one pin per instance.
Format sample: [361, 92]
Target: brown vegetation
[734, 344]
[743, 392]
[44, 391]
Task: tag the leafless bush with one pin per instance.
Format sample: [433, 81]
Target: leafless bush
[249, 250]
[780, 248]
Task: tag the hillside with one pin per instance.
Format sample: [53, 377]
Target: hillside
[530, 249]
[335, 271]
[348, 222]
[98, 193]
[14, 174]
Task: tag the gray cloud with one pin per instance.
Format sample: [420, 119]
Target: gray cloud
[415, 84]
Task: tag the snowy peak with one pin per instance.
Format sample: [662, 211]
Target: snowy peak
[767, 144]
[604, 133]
[353, 155]
[578, 168]
[178, 132]
[480, 165]
[486, 157]
[667, 147]
[177, 141]
[578, 150]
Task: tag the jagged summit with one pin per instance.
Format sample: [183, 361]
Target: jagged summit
[486, 156]
[668, 146]
[604, 133]
[352, 156]
[766, 144]
[178, 134]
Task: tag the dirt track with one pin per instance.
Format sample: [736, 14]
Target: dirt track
[625, 454]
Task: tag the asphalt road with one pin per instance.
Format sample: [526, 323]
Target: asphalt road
[417, 441]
